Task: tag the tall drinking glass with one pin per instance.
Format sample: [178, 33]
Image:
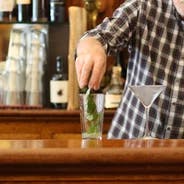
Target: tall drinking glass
[147, 94]
[91, 115]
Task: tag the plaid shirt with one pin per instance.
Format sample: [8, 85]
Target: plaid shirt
[154, 34]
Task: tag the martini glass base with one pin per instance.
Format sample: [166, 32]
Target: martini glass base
[148, 137]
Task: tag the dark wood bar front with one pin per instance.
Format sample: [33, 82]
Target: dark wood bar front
[108, 161]
[44, 123]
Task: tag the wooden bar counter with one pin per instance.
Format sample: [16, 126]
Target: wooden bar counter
[108, 161]
[44, 123]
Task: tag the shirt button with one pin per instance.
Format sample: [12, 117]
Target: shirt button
[169, 128]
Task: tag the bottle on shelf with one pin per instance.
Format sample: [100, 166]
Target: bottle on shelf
[39, 10]
[59, 86]
[23, 10]
[113, 92]
[57, 11]
[7, 11]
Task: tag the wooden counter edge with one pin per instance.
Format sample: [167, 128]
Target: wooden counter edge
[91, 156]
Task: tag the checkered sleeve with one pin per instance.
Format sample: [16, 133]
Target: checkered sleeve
[115, 32]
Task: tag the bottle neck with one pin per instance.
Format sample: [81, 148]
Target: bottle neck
[115, 79]
[58, 70]
[59, 66]
[116, 76]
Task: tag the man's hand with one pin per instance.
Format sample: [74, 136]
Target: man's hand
[90, 63]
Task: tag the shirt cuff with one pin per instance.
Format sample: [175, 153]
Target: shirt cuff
[98, 37]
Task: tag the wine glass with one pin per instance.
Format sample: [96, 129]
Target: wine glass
[147, 94]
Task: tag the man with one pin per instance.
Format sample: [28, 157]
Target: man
[153, 31]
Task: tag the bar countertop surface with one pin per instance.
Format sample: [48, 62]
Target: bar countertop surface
[90, 151]
[110, 161]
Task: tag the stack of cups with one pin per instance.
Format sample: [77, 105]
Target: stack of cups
[14, 72]
[35, 67]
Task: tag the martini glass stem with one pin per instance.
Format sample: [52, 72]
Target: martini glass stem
[147, 127]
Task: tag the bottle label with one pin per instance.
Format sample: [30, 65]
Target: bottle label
[58, 91]
[6, 5]
[23, 1]
[112, 101]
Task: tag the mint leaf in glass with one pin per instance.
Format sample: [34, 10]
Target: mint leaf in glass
[92, 114]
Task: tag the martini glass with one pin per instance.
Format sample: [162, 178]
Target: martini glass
[147, 94]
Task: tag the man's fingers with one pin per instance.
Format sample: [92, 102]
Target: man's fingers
[83, 68]
[90, 63]
[97, 75]
[78, 66]
[85, 73]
